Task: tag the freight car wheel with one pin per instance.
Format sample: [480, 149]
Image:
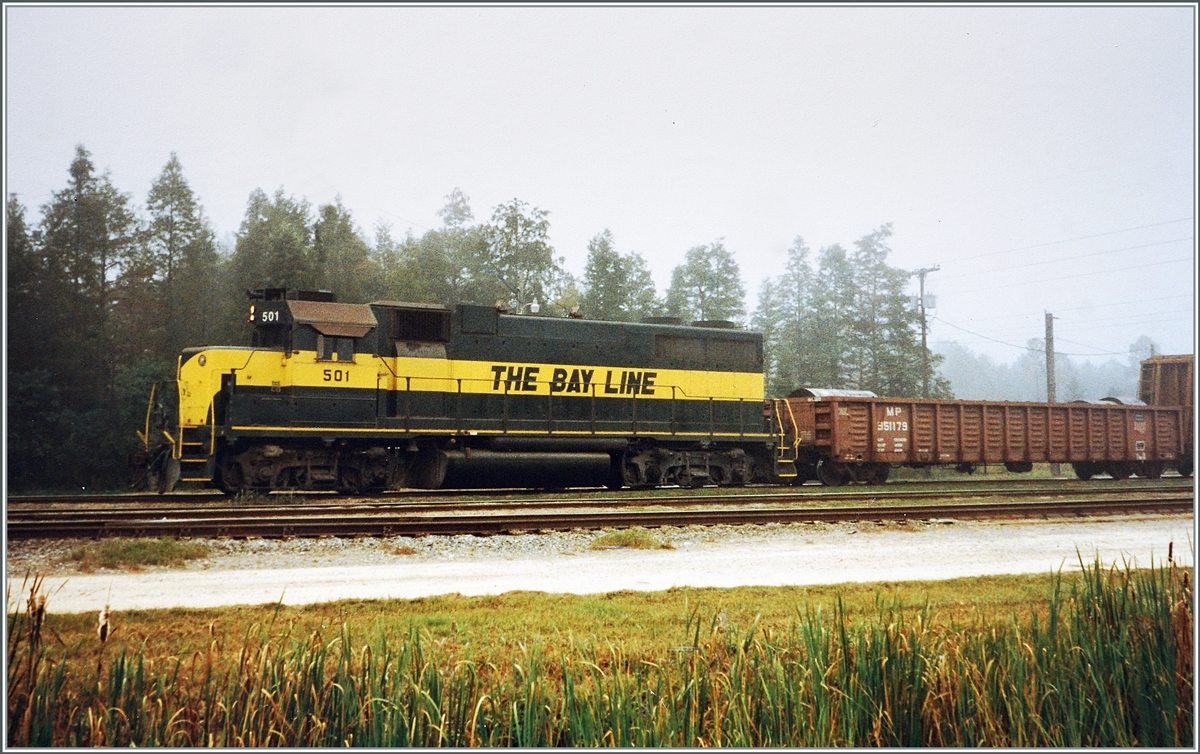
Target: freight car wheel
[831, 473]
[1083, 470]
[1151, 470]
[879, 473]
[1119, 470]
[1184, 467]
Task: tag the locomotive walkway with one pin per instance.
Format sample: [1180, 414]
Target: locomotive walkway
[283, 516]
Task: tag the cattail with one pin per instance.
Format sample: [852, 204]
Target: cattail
[37, 609]
[1170, 549]
[37, 616]
[102, 630]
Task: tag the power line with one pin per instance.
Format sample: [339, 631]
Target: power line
[1136, 323]
[1129, 320]
[1069, 277]
[1028, 348]
[1063, 259]
[1095, 320]
[1078, 238]
[1085, 345]
[1092, 306]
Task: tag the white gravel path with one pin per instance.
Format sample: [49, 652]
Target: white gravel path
[307, 571]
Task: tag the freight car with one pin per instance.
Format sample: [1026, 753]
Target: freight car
[837, 437]
[360, 397]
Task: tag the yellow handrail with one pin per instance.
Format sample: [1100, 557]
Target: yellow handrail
[145, 436]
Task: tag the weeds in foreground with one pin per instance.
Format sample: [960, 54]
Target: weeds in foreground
[1108, 664]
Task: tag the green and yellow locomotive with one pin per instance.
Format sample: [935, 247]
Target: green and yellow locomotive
[361, 397]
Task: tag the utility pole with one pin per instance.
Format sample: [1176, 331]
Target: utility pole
[921, 273]
[1051, 387]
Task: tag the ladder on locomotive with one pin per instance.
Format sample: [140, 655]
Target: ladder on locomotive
[195, 447]
[785, 457]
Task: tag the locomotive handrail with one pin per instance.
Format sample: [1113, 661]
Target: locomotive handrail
[145, 436]
[212, 428]
[549, 421]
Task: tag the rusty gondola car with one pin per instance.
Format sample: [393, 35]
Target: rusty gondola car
[837, 437]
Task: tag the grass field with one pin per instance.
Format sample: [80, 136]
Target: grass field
[1102, 658]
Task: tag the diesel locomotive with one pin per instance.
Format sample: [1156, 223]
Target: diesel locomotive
[389, 395]
[362, 397]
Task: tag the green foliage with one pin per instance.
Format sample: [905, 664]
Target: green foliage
[848, 324]
[89, 237]
[342, 257]
[1107, 662]
[617, 288]
[708, 285]
[27, 324]
[786, 317]
[518, 256]
[275, 244]
[174, 300]
[35, 428]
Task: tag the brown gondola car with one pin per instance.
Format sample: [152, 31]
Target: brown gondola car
[838, 437]
[1168, 381]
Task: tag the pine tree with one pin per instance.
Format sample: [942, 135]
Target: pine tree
[27, 315]
[182, 262]
[274, 249]
[604, 280]
[341, 254]
[641, 301]
[518, 263]
[708, 285]
[833, 311]
[787, 320]
[90, 237]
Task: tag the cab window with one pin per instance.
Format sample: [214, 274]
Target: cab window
[334, 348]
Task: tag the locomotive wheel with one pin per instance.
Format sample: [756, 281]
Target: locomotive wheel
[831, 473]
[350, 480]
[230, 478]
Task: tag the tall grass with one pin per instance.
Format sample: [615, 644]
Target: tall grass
[1109, 663]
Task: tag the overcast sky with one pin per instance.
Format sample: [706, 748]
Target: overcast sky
[1043, 157]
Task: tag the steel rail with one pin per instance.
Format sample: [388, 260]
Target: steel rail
[891, 487]
[156, 507]
[22, 507]
[402, 522]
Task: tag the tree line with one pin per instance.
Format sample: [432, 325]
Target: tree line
[103, 294]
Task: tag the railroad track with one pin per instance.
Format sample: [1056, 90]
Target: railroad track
[485, 517]
[1017, 484]
[189, 505]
